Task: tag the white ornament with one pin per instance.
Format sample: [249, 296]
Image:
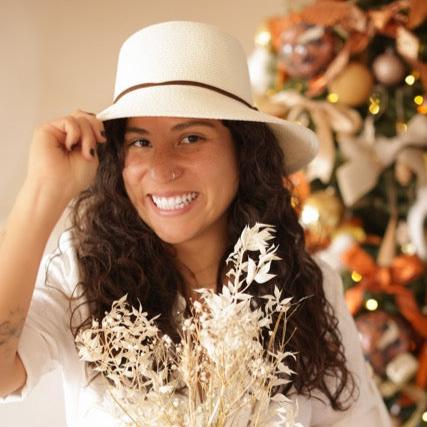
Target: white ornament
[416, 216]
[402, 368]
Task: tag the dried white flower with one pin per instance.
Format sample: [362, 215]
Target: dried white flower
[220, 373]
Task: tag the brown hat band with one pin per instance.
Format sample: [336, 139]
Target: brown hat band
[185, 83]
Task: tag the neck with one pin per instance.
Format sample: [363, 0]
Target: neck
[200, 259]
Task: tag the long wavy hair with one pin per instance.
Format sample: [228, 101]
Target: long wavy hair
[119, 254]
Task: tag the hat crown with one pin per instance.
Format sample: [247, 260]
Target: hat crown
[182, 50]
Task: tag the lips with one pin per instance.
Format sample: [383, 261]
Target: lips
[174, 202]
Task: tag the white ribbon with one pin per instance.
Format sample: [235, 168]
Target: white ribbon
[327, 118]
[368, 156]
[417, 213]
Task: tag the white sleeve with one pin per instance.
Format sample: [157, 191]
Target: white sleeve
[46, 331]
[368, 408]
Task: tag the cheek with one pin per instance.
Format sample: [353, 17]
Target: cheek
[132, 174]
[230, 178]
[231, 164]
[226, 171]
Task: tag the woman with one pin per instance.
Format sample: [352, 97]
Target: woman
[186, 163]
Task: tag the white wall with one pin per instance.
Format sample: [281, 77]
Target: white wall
[60, 55]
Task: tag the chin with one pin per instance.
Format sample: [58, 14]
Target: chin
[173, 236]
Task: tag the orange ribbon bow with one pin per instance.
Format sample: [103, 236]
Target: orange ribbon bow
[391, 280]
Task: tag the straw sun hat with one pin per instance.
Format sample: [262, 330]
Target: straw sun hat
[192, 69]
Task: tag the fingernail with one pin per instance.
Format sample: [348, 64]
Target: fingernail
[92, 152]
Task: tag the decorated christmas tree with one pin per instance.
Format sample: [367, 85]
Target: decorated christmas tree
[356, 73]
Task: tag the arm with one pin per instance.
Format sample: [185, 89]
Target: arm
[61, 165]
[31, 221]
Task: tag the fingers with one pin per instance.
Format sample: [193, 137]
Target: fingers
[96, 124]
[81, 130]
[88, 138]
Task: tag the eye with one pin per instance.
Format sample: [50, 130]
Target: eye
[141, 143]
[191, 139]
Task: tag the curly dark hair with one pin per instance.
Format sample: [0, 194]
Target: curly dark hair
[119, 254]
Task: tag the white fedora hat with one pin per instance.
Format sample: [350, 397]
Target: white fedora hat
[192, 69]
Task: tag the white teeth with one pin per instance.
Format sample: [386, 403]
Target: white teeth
[177, 202]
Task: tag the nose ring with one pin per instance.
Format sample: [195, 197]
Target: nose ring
[175, 174]
[165, 175]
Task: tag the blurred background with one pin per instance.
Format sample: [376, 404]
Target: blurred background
[353, 71]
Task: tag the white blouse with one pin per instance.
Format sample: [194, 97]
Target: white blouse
[46, 342]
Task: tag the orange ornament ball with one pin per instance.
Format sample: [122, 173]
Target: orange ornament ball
[353, 85]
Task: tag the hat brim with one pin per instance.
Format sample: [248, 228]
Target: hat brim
[298, 143]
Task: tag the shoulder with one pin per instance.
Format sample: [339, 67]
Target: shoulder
[366, 403]
[334, 292]
[332, 283]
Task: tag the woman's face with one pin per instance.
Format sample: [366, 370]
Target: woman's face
[181, 175]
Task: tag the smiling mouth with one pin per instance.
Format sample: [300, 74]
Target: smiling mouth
[173, 203]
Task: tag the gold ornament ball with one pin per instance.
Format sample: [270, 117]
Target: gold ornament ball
[322, 212]
[353, 85]
[388, 69]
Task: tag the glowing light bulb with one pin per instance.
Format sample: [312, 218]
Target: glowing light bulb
[309, 215]
[419, 100]
[424, 417]
[356, 277]
[371, 304]
[263, 38]
[410, 79]
[374, 108]
[332, 98]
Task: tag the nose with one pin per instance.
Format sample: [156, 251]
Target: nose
[164, 167]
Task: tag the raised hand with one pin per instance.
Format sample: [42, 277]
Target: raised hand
[63, 157]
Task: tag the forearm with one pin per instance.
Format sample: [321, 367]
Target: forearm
[30, 223]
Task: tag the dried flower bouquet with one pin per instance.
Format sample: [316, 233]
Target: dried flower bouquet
[221, 373]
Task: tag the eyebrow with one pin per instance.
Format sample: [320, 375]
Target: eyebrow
[179, 126]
